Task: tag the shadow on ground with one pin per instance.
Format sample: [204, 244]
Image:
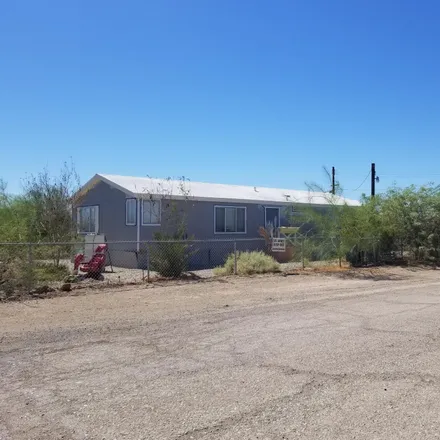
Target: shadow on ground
[369, 274]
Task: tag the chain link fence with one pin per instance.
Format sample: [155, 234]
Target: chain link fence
[37, 268]
[366, 251]
[315, 249]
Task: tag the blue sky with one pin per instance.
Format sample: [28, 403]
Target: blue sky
[254, 92]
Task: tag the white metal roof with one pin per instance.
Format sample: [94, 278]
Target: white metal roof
[141, 186]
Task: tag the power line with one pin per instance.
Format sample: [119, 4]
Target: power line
[415, 176]
[366, 177]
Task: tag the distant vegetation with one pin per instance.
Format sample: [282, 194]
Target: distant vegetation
[400, 223]
[403, 222]
[42, 213]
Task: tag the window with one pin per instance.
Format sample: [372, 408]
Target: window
[151, 212]
[87, 218]
[230, 219]
[130, 212]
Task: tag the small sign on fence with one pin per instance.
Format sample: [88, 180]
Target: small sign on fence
[278, 244]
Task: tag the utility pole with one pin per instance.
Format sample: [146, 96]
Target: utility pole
[373, 179]
[333, 181]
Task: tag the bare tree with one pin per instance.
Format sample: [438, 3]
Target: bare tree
[169, 194]
[2, 190]
[169, 199]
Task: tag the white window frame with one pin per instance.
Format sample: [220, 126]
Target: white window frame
[131, 200]
[279, 214]
[78, 221]
[142, 212]
[229, 206]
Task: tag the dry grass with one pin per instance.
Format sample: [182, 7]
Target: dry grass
[249, 263]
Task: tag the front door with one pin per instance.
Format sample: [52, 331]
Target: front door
[272, 217]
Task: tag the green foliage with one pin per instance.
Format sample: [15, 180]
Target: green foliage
[15, 271]
[18, 276]
[15, 216]
[42, 213]
[402, 222]
[248, 263]
[327, 238]
[411, 220]
[169, 255]
[46, 272]
[50, 200]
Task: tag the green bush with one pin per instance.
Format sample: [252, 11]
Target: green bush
[168, 256]
[249, 263]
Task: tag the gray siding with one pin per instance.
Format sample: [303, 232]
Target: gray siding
[199, 220]
[199, 216]
[111, 204]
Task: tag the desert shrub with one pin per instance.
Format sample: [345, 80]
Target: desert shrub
[54, 255]
[46, 272]
[15, 276]
[7, 278]
[18, 277]
[249, 263]
[168, 256]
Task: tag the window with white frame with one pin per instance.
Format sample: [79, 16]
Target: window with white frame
[130, 212]
[88, 219]
[150, 212]
[230, 219]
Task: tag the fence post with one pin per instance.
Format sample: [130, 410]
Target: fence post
[235, 258]
[302, 254]
[138, 244]
[30, 274]
[148, 263]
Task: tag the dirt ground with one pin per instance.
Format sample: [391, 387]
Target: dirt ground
[351, 355]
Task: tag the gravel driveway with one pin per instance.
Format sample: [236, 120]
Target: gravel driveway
[298, 357]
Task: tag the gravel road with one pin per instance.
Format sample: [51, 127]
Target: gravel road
[298, 357]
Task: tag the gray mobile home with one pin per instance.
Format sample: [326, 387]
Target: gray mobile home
[133, 209]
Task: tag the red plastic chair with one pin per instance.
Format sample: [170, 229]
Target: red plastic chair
[96, 264]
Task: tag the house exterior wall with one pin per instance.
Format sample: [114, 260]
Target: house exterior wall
[199, 218]
[111, 204]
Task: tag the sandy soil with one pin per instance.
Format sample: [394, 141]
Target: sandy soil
[352, 355]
